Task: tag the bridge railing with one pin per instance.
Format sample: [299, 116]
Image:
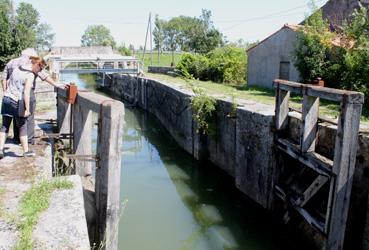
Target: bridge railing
[96, 65]
[76, 120]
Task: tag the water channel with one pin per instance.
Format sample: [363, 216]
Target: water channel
[175, 202]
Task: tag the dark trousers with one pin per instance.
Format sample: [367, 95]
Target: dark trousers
[31, 127]
[30, 124]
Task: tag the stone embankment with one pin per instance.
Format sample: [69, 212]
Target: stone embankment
[242, 144]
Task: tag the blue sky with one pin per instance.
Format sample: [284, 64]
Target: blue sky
[127, 20]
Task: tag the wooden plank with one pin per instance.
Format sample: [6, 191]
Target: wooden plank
[318, 163]
[336, 95]
[82, 137]
[63, 115]
[85, 98]
[312, 190]
[92, 100]
[310, 219]
[343, 166]
[293, 87]
[108, 172]
[281, 109]
[310, 115]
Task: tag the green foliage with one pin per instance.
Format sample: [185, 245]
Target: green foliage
[203, 107]
[228, 65]
[6, 36]
[35, 201]
[27, 20]
[123, 50]
[27, 15]
[158, 33]
[345, 65]
[97, 35]
[356, 59]
[313, 46]
[224, 65]
[190, 34]
[44, 37]
[21, 30]
[193, 66]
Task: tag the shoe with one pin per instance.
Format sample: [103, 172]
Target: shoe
[29, 154]
[1, 154]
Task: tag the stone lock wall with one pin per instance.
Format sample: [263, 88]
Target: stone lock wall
[234, 147]
[243, 145]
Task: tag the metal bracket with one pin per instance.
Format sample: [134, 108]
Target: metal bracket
[58, 135]
[91, 158]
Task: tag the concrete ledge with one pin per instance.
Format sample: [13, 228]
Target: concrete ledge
[63, 225]
[159, 70]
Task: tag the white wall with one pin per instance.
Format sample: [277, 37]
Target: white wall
[265, 58]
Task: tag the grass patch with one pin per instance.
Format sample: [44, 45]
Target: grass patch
[163, 60]
[327, 109]
[2, 192]
[35, 201]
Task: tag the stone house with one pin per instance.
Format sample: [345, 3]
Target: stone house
[274, 56]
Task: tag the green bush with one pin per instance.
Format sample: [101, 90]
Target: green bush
[193, 66]
[224, 65]
[228, 65]
[344, 66]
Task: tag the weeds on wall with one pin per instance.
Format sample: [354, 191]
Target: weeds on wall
[62, 165]
[233, 112]
[203, 107]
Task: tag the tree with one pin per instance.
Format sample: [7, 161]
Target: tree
[158, 33]
[356, 58]
[171, 36]
[45, 37]
[345, 65]
[97, 35]
[312, 49]
[26, 24]
[27, 15]
[21, 30]
[123, 50]
[190, 34]
[6, 36]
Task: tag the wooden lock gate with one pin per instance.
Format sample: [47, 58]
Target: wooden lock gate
[337, 172]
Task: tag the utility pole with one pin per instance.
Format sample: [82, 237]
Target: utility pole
[147, 31]
[150, 39]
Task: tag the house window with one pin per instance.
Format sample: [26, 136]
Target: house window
[284, 70]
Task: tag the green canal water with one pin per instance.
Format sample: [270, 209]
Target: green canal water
[174, 202]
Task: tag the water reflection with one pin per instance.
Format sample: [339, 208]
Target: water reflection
[177, 203]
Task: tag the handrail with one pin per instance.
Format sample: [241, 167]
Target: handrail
[331, 94]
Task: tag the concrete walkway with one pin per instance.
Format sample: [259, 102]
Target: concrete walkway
[63, 224]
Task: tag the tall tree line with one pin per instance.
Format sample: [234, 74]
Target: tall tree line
[189, 34]
[20, 29]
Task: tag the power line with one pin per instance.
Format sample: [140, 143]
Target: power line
[272, 15]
